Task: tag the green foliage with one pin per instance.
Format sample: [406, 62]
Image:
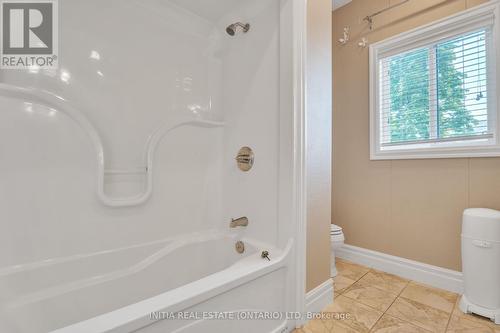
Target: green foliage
[454, 118]
[410, 86]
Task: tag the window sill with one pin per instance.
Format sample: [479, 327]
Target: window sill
[435, 153]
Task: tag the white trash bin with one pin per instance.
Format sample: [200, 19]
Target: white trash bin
[481, 263]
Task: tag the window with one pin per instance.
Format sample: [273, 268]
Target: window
[434, 92]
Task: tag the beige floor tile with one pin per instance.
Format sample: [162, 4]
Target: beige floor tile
[359, 317]
[388, 282]
[421, 315]
[437, 298]
[363, 295]
[350, 270]
[389, 324]
[472, 317]
[376, 298]
[327, 326]
[341, 283]
[464, 325]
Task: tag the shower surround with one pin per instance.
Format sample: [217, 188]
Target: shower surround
[119, 180]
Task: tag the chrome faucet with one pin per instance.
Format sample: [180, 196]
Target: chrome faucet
[240, 222]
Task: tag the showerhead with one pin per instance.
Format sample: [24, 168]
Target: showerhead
[231, 29]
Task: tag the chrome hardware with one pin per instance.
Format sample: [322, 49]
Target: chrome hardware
[245, 159]
[265, 255]
[232, 29]
[240, 222]
[369, 18]
[240, 247]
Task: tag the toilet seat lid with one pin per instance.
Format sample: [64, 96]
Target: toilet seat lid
[335, 229]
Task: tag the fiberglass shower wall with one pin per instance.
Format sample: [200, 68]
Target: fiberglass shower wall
[165, 79]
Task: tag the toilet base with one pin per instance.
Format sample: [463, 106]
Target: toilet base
[333, 271]
[337, 241]
[333, 268]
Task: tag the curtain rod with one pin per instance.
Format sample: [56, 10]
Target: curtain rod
[369, 18]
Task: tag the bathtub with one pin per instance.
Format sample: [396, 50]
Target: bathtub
[126, 289]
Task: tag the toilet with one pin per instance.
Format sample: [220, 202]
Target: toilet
[337, 241]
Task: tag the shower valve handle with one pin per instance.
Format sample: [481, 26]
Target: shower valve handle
[246, 158]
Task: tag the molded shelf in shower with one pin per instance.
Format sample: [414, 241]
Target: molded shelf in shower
[145, 171]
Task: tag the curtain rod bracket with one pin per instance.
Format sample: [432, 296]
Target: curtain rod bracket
[369, 18]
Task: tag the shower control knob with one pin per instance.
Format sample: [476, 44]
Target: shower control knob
[245, 159]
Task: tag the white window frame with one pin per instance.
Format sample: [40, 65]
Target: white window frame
[475, 18]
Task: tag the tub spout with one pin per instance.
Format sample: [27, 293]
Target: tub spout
[240, 222]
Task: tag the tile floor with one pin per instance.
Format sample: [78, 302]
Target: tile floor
[379, 302]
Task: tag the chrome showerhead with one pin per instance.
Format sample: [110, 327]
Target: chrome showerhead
[231, 30]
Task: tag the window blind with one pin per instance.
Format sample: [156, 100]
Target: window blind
[438, 92]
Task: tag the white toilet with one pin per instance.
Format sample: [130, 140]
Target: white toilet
[337, 241]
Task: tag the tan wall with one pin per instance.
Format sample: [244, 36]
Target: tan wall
[319, 120]
[409, 208]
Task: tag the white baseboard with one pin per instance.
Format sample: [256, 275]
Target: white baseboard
[321, 296]
[431, 275]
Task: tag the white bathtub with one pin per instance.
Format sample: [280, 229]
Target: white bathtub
[123, 290]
